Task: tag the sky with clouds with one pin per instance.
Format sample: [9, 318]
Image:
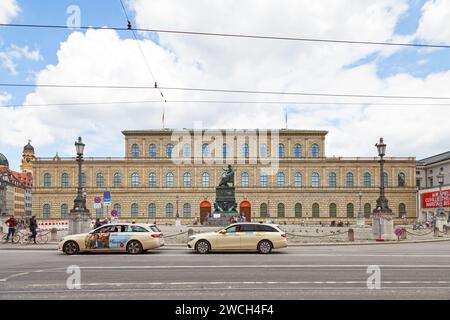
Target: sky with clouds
[106, 57]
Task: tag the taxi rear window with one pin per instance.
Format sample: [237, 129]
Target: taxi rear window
[261, 227]
[154, 228]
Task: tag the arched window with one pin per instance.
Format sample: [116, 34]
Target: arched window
[187, 180]
[46, 211]
[152, 179]
[298, 179]
[349, 180]
[332, 210]
[117, 180]
[367, 210]
[315, 180]
[315, 210]
[99, 212]
[262, 150]
[169, 150]
[169, 180]
[263, 179]
[401, 210]
[281, 151]
[401, 179]
[205, 179]
[100, 180]
[151, 210]
[83, 180]
[169, 210]
[245, 151]
[280, 179]
[225, 152]
[47, 180]
[152, 150]
[350, 210]
[280, 210]
[386, 179]
[186, 210]
[134, 210]
[244, 179]
[64, 211]
[298, 151]
[332, 180]
[64, 180]
[134, 151]
[135, 180]
[298, 210]
[315, 151]
[117, 207]
[263, 210]
[367, 180]
[205, 150]
[186, 150]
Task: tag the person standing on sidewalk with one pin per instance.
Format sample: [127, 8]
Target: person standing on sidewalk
[33, 228]
[12, 225]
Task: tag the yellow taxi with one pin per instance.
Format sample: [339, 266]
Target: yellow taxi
[125, 237]
[260, 237]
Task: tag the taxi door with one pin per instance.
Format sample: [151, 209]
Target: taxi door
[250, 236]
[119, 237]
[98, 240]
[230, 239]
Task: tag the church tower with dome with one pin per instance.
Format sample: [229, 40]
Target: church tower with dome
[28, 158]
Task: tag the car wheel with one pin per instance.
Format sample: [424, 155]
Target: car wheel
[134, 247]
[202, 246]
[265, 246]
[71, 247]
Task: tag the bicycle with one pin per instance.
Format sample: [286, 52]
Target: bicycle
[15, 239]
[41, 237]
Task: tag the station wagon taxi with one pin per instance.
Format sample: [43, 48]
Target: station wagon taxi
[260, 237]
[129, 237]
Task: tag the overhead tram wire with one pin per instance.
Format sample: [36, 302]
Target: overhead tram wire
[362, 103]
[234, 35]
[140, 50]
[225, 91]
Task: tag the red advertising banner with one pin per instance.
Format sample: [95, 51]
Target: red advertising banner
[431, 199]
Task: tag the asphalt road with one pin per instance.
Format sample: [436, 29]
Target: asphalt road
[407, 271]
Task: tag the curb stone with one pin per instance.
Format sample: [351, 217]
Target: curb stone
[178, 245]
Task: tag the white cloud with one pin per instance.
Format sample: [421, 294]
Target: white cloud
[9, 57]
[102, 57]
[434, 23]
[8, 10]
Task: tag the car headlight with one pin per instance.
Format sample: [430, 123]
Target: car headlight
[191, 238]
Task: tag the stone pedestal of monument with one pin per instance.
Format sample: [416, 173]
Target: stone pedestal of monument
[383, 225]
[224, 207]
[441, 221]
[79, 221]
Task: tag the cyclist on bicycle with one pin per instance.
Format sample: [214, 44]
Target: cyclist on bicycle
[33, 227]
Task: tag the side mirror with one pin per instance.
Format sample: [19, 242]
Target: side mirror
[223, 231]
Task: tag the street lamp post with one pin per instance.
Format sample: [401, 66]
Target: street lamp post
[440, 216]
[79, 217]
[360, 222]
[4, 184]
[382, 222]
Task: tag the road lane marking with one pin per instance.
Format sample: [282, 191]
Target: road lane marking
[189, 283]
[14, 276]
[109, 290]
[265, 266]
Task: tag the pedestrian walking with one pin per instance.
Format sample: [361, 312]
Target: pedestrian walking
[33, 228]
[12, 225]
[97, 223]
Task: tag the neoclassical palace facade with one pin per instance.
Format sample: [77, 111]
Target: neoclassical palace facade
[283, 174]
